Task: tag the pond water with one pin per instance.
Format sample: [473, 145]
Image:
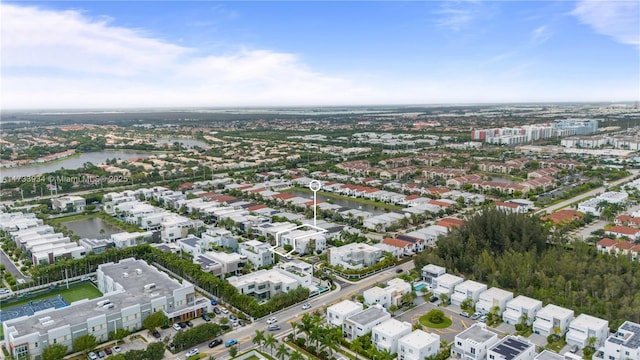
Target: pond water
[344, 202]
[91, 228]
[186, 142]
[95, 158]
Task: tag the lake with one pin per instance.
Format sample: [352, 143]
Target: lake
[344, 202]
[90, 228]
[95, 158]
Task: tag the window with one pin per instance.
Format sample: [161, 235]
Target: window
[473, 350]
[491, 357]
[459, 343]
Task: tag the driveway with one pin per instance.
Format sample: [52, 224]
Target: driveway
[11, 267]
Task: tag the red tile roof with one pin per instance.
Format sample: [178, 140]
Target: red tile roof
[396, 242]
[625, 230]
[606, 242]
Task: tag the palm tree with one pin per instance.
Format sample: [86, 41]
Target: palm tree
[270, 342]
[282, 352]
[258, 339]
[294, 327]
[356, 345]
[296, 355]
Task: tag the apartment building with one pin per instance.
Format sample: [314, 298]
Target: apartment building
[386, 335]
[473, 343]
[69, 203]
[418, 345]
[338, 313]
[132, 290]
[550, 318]
[521, 309]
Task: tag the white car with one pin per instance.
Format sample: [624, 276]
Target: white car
[306, 306]
[225, 311]
[193, 352]
[92, 356]
[176, 326]
[271, 320]
[117, 349]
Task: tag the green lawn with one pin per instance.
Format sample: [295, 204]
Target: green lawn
[74, 293]
[446, 322]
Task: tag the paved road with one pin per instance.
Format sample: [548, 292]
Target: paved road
[552, 208]
[11, 267]
[245, 335]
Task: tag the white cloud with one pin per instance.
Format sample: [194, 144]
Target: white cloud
[540, 34]
[617, 19]
[457, 15]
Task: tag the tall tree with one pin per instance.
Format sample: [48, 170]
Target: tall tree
[54, 352]
[84, 343]
[271, 343]
[259, 338]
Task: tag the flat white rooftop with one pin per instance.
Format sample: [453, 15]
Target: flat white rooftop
[496, 293]
[554, 311]
[470, 285]
[584, 321]
[524, 302]
[345, 307]
[392, 327]
[419, 338]
[448, 280]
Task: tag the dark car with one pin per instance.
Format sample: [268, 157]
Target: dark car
[216, 310]
[182, 325]
[156, 334]
[232, 317]
[399, 271]
[241, 323]
[433, 299]
[215, 343]
[206, 317]
[189, 324]
[108, 351]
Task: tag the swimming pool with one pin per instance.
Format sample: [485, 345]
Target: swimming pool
[419, 287]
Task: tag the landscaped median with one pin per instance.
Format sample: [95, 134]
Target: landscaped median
[435, 319]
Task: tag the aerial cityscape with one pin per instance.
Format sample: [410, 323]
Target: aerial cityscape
[320, 180]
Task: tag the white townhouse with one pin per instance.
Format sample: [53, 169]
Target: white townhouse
[263, 284]
[69, 203]
[584, 327]
[431, 271]
[387, 296]
[468, 290]
[551, 317]
[191, 245]
[337, 313]
[386, 335]
[257, 252]
[512, 348]
[521, 309]
[473, 343]
[444, 284]
[493, 298]
[361, 323]
[418, 345]
[624, 344]
[126, 239]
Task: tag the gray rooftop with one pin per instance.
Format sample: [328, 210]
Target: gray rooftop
[476, 333]
[367, 316]
[549, 355]
[134, 294]
[631, 339]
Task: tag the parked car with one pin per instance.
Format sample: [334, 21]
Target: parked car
[216, 310]
[476, 316]
[271, 320]
[206, 317]
[215, 343]
[433, 299]
[108, 351]
[399, 271]
[465, 314]
[225, 311]
[483, 318]
[574, 349]
[176, 326]
[117, 349]
[156, 334]
[92, 356]
[232, 317]
[241, 323]
[182, 324]
[306, 306]
[214, 302]
[230, 343]
[273, 327]
[193, 352]
[189, 324]
[101, 354]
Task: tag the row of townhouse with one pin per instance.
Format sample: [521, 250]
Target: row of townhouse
[593, 205]
[386, 334]
[132, 290]
[264, 284]
[522, 309]
[478, 183]
[503, 167]
[619, 247]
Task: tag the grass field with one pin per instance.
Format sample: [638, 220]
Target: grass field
[75, 293]
[446, 322]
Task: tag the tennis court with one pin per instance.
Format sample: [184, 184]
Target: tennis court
[32, 307]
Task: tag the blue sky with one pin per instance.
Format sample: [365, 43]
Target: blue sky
[61, 54]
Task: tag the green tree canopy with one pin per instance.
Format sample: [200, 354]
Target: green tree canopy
[54, 352]
[155, 320]
[84, 343]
